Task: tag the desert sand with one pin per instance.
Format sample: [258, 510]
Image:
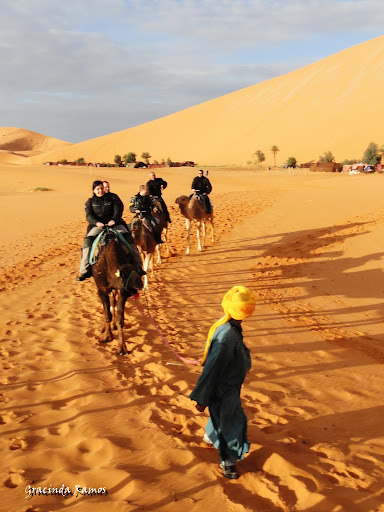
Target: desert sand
[334, 104]
[75, 413]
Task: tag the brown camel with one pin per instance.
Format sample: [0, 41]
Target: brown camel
[115, 275]
[143, 236]
[193, 209]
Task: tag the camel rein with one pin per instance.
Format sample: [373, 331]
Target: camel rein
[163, 338]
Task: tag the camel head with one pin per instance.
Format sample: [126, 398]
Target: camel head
[135, 229]
[182, 200]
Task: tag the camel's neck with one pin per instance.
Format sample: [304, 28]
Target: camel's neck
[195, 209]
[184, 210]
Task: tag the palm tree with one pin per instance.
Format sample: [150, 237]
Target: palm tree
[274, 150]
[146, 156]
[260, 156]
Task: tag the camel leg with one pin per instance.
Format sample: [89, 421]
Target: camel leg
[203, 226]
[113, 310]
[145, 267]
[121, 349]
[150, 264]
[198, 227]
[165, 231]
[148, 267]
[188, 226]
[212, 230]
[106, 333]
[158, 250]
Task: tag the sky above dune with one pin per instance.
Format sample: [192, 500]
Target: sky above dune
[80, 69]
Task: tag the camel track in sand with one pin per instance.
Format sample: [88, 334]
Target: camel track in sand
[75, 413]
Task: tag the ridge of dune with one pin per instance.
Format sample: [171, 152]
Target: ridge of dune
[334, 104]
[21, 140]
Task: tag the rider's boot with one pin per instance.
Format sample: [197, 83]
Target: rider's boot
[85, 267]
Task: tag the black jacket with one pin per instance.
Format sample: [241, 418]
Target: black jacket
[143, 203]
[103, 209]
[154, 186]
[202, 184]
[117, 201]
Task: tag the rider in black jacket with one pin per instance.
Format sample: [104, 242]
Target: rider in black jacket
[202, 186]
[155, 187]
[104, 210]
[143, 204]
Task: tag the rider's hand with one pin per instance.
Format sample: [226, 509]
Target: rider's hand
[111, 223]
[155, 209]
[137, 211]
[99, 225]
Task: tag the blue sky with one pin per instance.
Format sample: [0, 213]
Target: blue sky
[83, 68]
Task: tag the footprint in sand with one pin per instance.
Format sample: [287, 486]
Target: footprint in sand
[17, 443]
[15, 479]
[7, 417]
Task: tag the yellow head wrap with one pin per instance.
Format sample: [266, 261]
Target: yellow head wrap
[238, 303]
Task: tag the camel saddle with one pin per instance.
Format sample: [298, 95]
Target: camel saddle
[101, 240]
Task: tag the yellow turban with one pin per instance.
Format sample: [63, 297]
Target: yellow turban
[238, 303]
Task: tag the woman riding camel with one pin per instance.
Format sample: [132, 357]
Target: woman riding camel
[226, 361]
[103, 210]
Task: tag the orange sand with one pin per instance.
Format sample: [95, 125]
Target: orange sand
[75, 413]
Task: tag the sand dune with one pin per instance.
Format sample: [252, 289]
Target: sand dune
[75, 413]
[18, 144]
[332, 105]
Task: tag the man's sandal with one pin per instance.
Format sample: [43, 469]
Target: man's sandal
[230, 471]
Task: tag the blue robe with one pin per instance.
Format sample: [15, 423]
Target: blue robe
[218, 388]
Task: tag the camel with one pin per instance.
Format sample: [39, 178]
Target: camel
[116, 278]
[145, 241]
[193, 209]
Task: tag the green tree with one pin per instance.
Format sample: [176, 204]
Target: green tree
[291, 162]
[117, 160]
[156, 162]
[129, 158]
[349, 162]
[381, 151]
[146, 156]
[64, 161]
[260, 156]
[327, 157]
[169, 161]
[274, 150]
[80, 160]
[371, 155]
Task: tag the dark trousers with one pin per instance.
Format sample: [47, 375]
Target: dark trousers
[206, 202]
[163, 207]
